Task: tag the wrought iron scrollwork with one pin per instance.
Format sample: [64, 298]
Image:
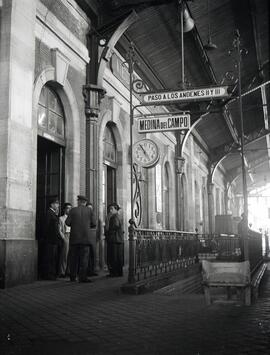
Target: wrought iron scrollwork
[137, 198]
[139, 86]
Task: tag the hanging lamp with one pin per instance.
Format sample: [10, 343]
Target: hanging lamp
[209, 45]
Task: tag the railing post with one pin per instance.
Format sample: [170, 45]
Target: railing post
[132, 251]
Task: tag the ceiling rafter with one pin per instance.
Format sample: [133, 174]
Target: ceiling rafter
[252, 7]
[225, 149]
[234, 173]
[209, 68]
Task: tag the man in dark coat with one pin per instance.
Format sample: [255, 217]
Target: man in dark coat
[53, 240]
[80, 219]
[115, 242]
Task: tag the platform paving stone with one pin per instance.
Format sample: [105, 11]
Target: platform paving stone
[63, 318]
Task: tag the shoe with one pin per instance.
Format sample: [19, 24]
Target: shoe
[85, 281]
[72, 280]
[62, 276]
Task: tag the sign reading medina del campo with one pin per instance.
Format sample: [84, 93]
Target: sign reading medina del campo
[214, 92]
[164, 123]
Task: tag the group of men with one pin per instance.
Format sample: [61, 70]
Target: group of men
[69, 248]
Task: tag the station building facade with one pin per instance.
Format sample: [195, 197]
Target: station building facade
[46, 151]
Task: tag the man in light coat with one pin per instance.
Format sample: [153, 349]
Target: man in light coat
[80, 219]
[65, 233]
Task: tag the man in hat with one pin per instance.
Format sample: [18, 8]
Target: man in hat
[115, 242]
[53, 239]
[80, 219]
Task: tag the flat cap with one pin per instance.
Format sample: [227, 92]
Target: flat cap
[82, 198]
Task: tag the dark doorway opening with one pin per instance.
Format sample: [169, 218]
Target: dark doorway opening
[50, 183]
[111, 185]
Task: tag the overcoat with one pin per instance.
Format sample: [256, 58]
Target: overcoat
[115, 231]
[80, 219]
[52, 233]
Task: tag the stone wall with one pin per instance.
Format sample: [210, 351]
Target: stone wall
[17, 50]
[31, 35]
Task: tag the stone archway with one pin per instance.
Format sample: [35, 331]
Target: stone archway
[72, 116]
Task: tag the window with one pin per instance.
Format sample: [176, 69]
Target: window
[158, 189]
[109, 169]
[50, 115]
[167, 196]
[109, 146]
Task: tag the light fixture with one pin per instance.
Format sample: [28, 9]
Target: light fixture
[102, 40]
[209, 45]
[188, 21]
[186, 25]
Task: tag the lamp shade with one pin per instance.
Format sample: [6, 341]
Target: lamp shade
[188, 21]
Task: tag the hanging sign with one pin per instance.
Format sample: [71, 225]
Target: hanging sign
[164, 123]
[215, 92]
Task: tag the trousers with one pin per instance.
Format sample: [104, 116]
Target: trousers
[79, 256]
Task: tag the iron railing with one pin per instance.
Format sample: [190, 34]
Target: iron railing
[220, 246]
[153, 252]
[160, 251]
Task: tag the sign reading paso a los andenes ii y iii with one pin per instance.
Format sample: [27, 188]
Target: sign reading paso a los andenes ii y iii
[215, 92]
[164, 123]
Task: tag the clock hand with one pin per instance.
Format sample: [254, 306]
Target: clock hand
[145, 153]
[142, 148]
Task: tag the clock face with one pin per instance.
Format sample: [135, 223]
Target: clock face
[145, 153]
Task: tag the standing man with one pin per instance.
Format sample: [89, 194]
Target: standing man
[80, 219]
[53, 239]
[115, 242]
[65, 233]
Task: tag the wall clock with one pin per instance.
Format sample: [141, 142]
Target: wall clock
[145, 153]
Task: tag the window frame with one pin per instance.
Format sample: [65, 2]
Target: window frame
[44, 131]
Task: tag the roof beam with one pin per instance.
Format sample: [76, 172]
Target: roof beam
[228, 118]
[236, 172]
[224, 150]
[236, 98]
[252, 6]
[248, 169]
[206, 61]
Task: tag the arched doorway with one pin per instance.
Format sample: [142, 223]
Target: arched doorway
[50, 155]
[109, 186]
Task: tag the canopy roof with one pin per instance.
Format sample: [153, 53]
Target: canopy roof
[156, 36]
